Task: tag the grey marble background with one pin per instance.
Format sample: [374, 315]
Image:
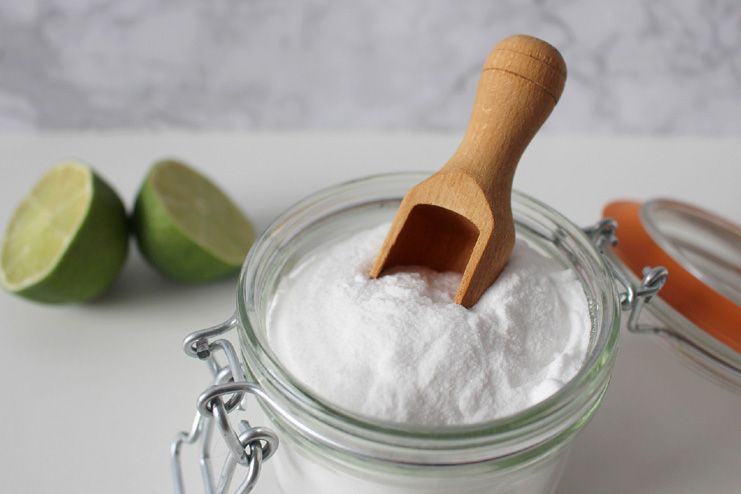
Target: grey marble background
[661, 66]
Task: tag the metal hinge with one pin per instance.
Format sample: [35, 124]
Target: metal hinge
[250, 446]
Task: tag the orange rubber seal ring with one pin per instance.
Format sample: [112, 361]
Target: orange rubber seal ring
[706, 308]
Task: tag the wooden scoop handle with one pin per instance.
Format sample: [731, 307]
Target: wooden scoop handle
[520, 83]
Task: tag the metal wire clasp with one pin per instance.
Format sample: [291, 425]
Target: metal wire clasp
[249, 447]
[634, 298]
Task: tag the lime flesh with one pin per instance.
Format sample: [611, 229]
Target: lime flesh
[67, 240]
[187, 228]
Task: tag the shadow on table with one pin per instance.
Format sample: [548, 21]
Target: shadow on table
[140, 284]
[662, 428]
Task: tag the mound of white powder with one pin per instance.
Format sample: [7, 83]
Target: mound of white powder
[398, 348]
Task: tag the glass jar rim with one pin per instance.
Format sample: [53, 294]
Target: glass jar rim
[575, 399]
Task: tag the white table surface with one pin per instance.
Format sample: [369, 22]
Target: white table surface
[91, 395]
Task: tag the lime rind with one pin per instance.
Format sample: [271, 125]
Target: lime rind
[45, 218]
[187, 228]
[90, 258]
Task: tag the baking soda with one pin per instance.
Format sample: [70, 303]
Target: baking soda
[399, 349]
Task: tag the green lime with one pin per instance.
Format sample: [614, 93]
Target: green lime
[186, 227]
[68, 239]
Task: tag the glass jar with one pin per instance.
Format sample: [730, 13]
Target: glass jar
[325, 449]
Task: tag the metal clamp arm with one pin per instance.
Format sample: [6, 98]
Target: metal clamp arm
[634, 298]
[249, 447]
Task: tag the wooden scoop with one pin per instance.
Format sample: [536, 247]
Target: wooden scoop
[460, 219]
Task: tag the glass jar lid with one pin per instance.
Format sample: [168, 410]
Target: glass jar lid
[706, 245]
[701, 301]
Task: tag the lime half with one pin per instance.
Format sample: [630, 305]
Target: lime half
[68, 239]
[187, 228]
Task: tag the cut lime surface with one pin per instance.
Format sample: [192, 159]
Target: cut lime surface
[67, 240]
[187, 228]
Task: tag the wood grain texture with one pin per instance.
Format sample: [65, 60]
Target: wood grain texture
[460, 219]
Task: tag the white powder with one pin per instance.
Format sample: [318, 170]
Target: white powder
[398, 348]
